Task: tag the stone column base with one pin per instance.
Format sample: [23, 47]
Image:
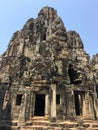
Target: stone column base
[53, 119]
[21, 122]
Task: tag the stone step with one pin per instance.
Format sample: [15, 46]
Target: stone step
[64, 124]
[38, 123]
[47, 125]
[92, 129]
[40, 127]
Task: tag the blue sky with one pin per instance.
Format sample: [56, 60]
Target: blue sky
[78, 15]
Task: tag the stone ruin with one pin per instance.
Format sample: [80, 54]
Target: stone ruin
[46, 73]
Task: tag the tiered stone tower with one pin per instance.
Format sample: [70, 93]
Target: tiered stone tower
[46, 73]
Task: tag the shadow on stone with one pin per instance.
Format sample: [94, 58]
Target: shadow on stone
[5, 123]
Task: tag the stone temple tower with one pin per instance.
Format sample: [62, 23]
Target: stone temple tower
[46, 73]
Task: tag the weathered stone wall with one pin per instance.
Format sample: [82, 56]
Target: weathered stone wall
[43, 53]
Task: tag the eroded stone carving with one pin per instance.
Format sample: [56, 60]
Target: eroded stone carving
[41, 55]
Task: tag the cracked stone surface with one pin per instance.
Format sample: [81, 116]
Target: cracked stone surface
[44, 52]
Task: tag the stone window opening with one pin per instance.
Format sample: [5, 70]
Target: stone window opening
[18, 99]
[44, 36]
[78, 102]
[58, 99]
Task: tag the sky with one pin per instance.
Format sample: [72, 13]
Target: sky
[78, 15]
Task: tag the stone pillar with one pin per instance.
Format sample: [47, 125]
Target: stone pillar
[87, 104]
[32, 105]
[80, 103]
[96, 108]
[21, 119]
[53, 103]
[84, 107]
[91, 106]
[47, 105]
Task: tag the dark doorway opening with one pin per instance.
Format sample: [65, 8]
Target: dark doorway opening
[58, 99]
[44, 36]
[18, 99]
[39, 105]
[78, 103]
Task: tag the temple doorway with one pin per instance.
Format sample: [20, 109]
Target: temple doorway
[78, 102]
[39, 105]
